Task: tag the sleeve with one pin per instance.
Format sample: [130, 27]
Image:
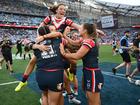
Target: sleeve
[88, 43]
[69, 22]
[123, 42]
[47, 20]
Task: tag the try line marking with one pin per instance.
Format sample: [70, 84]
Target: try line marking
[8, 83]
[118, 75]
[121, 76]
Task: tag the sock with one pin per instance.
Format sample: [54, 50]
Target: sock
[24, 56]
[29, 56]
[75, 88]
[24, 78]
[70, 96]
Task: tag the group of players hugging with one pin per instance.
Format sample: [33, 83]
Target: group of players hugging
[56, 51]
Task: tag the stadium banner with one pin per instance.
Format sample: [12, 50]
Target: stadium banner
[107, 21]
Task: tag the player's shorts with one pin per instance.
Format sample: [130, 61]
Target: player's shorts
[66, 64]
[50, 80]
[138, 61]
[26, 49]
[8, 57]
[93, 80]
[126, 57]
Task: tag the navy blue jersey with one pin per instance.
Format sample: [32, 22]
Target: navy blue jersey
[60, 24]
[124, 42]
[6, 46]
[52, 58]
[90, 60]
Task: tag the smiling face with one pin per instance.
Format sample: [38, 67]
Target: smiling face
[61, 11]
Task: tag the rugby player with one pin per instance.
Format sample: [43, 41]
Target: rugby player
[88, 52]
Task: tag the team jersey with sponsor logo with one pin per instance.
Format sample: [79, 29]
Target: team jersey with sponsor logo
[90, 60]
[50, 59]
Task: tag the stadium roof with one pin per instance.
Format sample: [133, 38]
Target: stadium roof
[119, 8]
[109, 6]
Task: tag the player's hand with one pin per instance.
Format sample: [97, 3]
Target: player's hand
[100, 33]
[67, 30]
[39, 39]
[43, 47]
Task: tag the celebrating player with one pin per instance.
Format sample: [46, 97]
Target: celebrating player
[88, 52]
[136, 47]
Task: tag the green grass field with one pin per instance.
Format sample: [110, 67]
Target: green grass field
[28, 96]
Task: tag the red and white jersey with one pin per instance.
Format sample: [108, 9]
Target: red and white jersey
[60, 24]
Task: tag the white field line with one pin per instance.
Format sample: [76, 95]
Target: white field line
[118, 74]
[8, 83]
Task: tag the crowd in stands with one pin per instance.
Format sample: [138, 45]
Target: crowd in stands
[16, 34]
[22, 7]
[25, 20]
[19, 6]
[19, 19]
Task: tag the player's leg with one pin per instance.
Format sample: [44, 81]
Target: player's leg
[1, 62]
[44, 99]
[54, 97]
[75, 85]
[128, 64]
[71, 97]
[9, 62]
[29, 55]
[73, 70]
[135, 71]
[93, 98]
[17, 52]
[24, 55]
[93, 81]
[20, 52]
[28, 71]
[114, 70]
[61, 100]
[114, 50]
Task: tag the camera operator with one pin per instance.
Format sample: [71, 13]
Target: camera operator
[6, 49]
